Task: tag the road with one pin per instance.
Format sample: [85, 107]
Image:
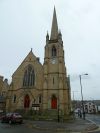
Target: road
[27, 128]
[95, 119]
[7, 128]
[19, 128]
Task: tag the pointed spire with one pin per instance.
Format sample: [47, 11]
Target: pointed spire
[54, 29]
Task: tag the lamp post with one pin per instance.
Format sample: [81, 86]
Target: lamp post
[82, 95]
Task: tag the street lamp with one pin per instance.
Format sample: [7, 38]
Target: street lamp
[82, 95]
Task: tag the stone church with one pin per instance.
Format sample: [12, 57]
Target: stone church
[43, 88]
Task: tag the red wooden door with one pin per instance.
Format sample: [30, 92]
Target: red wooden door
[54, 103]
[26, 101]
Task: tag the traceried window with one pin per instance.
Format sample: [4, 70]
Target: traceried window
[29, 76]
[54, 51]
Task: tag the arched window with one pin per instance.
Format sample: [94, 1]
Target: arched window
[29, 76]
[14, 98]
[54, 51]
[40, 98]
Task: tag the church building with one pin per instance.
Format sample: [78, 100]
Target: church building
[44, 88]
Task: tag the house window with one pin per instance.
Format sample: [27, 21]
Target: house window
[54, 51]
[3, 93]
[29, 76]
[93, 106]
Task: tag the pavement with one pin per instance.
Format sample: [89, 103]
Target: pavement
[78, 125]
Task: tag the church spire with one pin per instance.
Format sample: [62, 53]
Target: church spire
[54, 29]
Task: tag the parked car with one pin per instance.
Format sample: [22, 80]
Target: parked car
[12, 118]
[1, 115]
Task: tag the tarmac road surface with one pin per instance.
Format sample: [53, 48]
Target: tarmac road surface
[19, 128]
[96, 119]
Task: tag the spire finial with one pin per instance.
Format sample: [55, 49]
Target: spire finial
[47, 37]
[47, 33]
[54, 29]
[31, 49]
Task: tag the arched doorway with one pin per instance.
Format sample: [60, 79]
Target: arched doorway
[53, 102]
[26, 101]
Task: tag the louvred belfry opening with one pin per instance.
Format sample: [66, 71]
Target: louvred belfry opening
[54, 102]
[26, 101]
[54, 51]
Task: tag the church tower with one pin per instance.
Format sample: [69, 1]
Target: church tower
[56, 86]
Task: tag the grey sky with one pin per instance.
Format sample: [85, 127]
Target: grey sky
[24, 24]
